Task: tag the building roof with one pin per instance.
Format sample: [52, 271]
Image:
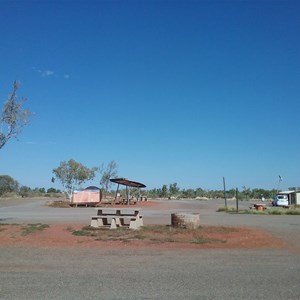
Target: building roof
[287, 192]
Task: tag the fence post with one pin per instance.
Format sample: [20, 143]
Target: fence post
[224, 192]
[237, 199]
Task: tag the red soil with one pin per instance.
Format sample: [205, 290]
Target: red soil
[60, 236]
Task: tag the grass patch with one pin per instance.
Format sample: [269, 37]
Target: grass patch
[84, 231]
[33, 228]
[269, 211]
[228, 209]
[275, 212]
[81, 233]
[220, 229]
[159, 234]
[203, 240]
[293, 212]
[253, 212]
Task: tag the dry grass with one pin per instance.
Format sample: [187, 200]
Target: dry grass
[158, 234]
[32, 228]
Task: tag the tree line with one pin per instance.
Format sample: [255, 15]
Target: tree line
[10, 186]
[173, 191]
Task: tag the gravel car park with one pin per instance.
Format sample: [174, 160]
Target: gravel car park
[31, 271]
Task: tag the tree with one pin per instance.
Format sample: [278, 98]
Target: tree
[71, 174]
[111, 171]
[13, 117]
[189, 193]
[52, 191]
[164, 191]
[7, 185]
[173, 189]
[24, 191]
[246, 192]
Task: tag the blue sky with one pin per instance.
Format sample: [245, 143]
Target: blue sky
[173, 91]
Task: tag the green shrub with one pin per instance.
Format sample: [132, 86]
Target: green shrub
[293, 212]
[224, 209]
[81, 233]
[275, 212]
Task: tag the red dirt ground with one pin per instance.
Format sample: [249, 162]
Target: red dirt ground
[60, 236]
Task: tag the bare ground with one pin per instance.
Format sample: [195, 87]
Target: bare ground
[61, 235]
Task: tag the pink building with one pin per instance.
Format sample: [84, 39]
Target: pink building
[89, 196]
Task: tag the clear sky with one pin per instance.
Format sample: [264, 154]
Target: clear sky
[173, 91]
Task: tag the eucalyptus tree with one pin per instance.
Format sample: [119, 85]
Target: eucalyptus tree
[108, 172]
[13, 117]
[8, 185]
[72, 174]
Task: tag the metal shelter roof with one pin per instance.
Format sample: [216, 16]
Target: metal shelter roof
[126, 182]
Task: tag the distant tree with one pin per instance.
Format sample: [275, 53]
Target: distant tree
[111, 171]
[7, 185]
[71, 174]
[13, 117]
[245, 193]
[199, 192]
[230, 193]
[154, 193]
[164, 191]
[24, 191]
[294, 188]
[42, 190]
[189, 193]
[52, 190]
[173, 189]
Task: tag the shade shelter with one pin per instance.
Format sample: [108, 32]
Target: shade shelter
[127, 183]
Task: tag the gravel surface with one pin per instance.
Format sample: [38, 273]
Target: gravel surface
[61, 274]
[47, 273]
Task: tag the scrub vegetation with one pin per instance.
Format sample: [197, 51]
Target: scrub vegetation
[158, 234]
[33, 228]
[267, 211]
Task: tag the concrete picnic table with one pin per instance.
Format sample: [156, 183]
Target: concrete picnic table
[114, 218]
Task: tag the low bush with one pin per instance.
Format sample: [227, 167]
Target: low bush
[293, 212]
[276, 212]
[226, 209]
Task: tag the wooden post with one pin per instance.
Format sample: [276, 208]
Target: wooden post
[127, 195]
[100, 195]
[224, 192]
[116, 193]
[237, 199]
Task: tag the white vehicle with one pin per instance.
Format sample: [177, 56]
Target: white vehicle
[281, 200]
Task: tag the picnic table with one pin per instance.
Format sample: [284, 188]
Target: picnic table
[259, 206]
[116, 218]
